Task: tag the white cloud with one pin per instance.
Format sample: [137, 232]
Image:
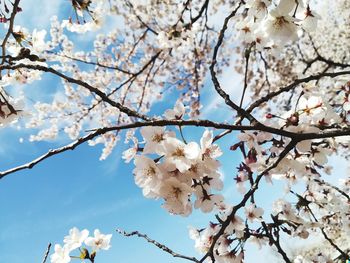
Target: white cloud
[37, 14]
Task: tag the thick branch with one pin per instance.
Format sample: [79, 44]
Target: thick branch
[198, 123]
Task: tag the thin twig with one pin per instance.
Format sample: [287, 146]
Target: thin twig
[333, 187]
[246, 55]
[291, 86]
[47, 253]
[214, 78]
[10, 29]
[275, 242]
[157, 244]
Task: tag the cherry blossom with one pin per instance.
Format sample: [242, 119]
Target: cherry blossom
[99, 241]
[61, 255]
[75, 238]
[252, 212]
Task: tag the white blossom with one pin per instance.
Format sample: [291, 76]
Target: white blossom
[99, 241]
[61, 255]
[75, 238]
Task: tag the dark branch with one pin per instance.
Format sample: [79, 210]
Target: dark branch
[157, 244]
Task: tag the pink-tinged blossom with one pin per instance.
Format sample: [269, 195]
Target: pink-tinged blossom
[289, 6]
[215, 181]
[319, 155]
[206, 201]
[209, 150]
[263, 136]
[176, 196]
[246, 30]
[249, 138]
[240, 179]
[253, 212]
[236, 226]
[258, 241]
[301, 232]
[197, 170]
[304, 146]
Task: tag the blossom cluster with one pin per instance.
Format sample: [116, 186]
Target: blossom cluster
[270, 25]
[75, 240]
[229, 247]
[180, 170]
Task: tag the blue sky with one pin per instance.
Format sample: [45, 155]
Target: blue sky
[76, 189]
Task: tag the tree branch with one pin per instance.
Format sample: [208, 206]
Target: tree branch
[214, 78]
[10, 30]
[47, 253]
[246, 197]
[157, 244]
[291, 86]
[92, 89]
[198, 123]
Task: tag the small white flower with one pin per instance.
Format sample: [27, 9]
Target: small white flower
[257, 241]
[209, 150]
[154, 138]
[310, 21]
[99, 241]
[130, 153]
[204, 238]
[180, 154]
[286, 6]
[147, 175]
[257, 8]
[75, 238]
[237, 225]
[280, 25]
[177, 113]
[61, 255]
